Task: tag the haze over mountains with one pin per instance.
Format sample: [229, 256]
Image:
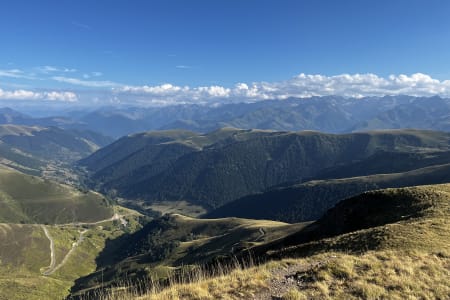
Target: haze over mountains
[332, 114]
[35, 149]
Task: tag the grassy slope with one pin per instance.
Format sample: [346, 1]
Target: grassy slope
[29, 199]
[174, 241]
[409, 218]
[388, 244]
[335, 275]
[25, 254]
[25, 249]
[391, 244]
[52, 143]
[30, 149]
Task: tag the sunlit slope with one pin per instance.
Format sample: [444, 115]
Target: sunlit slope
[173, 242]
[30, 199]
[402, 218]
[36, 266]
[385, 244]
[33, 149]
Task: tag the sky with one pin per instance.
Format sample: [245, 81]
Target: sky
[163, 52]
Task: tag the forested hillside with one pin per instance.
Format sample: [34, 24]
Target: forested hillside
[216, 168]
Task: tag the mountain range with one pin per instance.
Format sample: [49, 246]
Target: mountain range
[332, 114]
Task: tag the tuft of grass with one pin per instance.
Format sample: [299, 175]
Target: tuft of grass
[293, 294]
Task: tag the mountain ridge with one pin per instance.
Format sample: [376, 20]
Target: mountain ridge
[213, 169]
[331, 114]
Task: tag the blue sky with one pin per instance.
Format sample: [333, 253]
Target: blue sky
[104, 45]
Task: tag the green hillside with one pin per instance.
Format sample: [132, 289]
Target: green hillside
[52, 142]
[415, 218]
[51, 234]
[29, 270]
[310, 200]
[169, 244]
[128, 145]
[33, 149]
[216, 168]
[392, 234]
[30, 199]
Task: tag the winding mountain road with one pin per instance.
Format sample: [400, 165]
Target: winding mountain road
[262, 233]
[53, 267]
[50, 271]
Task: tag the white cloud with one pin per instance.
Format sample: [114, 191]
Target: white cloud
[164, 89]
[86, 83]
[61, 96]
[26, 95]
[14, 73]
[81, 25]
[359, 85]
[53, 69]
[213, 91]
[301, 86]
[92, 74]
[48, 69]
[183, 67]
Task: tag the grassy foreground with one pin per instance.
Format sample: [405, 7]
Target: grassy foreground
[335, 275]
[399, 251]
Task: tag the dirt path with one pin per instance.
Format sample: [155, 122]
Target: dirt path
[52, 253]
[262, 234]
[116, 216]
[283, 279]
[53, 267]
[74, 246]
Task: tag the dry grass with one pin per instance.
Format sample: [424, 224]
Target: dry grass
[238, 284]
[294, 294]
[236, 281]
[373, 275]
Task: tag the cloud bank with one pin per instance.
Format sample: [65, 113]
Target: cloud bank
[301, 86]
[26, 95]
